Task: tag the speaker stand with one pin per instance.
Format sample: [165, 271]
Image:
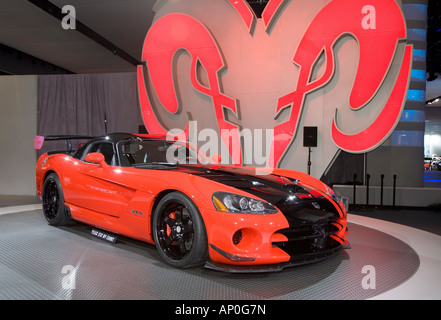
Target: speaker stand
[309, 160]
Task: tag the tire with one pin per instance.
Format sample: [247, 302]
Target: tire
[53, 201]
[179, 232]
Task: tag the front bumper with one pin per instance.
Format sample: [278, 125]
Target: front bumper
[268, 243]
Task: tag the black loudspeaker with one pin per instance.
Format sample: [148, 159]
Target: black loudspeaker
[310, 136]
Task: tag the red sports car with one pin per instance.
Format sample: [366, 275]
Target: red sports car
[230, 218]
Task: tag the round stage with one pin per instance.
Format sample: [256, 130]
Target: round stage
[37, 261]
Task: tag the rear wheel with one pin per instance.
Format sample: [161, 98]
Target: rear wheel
[179, 231]
[53, 201]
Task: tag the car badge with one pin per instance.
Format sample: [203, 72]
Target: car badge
[136, 212]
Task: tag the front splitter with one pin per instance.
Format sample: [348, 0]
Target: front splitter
[228, 268]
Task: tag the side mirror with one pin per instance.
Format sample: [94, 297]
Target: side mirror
[96, 157]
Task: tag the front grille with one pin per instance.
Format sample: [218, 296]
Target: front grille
[309, 241]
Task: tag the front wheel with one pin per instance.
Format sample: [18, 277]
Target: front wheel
[179, 231]
[53, 201]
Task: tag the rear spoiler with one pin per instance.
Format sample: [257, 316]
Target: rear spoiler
[39, 140]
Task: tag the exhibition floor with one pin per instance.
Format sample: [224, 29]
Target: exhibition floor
[387, 260]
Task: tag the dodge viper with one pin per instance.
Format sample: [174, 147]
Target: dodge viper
[194, 210]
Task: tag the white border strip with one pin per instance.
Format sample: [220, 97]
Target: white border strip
[29, 207]
[426, 282]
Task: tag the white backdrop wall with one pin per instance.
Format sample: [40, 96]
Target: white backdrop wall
[18, 126]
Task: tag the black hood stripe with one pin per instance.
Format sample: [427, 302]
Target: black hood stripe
[270, 187]
[310, 204]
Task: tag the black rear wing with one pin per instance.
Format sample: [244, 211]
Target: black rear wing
[39, 140]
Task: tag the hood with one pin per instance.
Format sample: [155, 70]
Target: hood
[300, 203]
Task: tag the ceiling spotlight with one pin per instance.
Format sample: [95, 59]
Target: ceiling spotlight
[434, 100]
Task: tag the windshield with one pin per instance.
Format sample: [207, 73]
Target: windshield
[154, 152]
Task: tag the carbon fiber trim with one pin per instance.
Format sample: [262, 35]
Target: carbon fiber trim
[312, 258]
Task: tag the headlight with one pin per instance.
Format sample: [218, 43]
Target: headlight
[235, 203]
[333, 195]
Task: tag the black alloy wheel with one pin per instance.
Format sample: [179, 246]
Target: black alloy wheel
[179, 232]
[53, 201]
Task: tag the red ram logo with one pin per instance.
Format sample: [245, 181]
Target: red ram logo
[378, 27]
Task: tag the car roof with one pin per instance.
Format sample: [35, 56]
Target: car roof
[119, 136]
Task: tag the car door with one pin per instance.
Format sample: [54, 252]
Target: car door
[96, 187]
